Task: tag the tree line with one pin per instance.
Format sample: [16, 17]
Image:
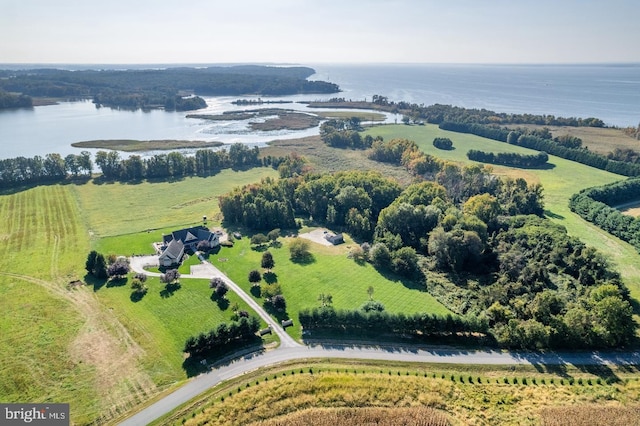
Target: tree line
[509, 158]
[148, 88]
[175, 164]
[327, 318]
[54, 168]
[595, 205]
[50, 168]
[558, 148]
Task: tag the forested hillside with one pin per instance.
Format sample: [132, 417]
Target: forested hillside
[149, 88]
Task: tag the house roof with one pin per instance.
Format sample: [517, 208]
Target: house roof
[174, 250]
[190, 235]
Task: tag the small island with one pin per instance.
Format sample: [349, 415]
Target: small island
[132, 145]
[274, 118]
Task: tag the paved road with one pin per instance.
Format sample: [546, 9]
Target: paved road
[253, 361]
[291, 350]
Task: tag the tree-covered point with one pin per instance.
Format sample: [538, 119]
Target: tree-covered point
[11, 100]
[150, 88]
[439, 113]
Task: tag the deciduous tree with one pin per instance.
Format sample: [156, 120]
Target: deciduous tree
[255, 277]
[267, 261]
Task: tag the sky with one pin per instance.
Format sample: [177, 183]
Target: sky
[313, 32]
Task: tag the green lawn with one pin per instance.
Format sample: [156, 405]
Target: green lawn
[561, 181]
[161, 322]
[330, 272]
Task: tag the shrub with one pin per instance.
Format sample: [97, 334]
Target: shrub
[443, 143]
[372, 306]
[299, 249]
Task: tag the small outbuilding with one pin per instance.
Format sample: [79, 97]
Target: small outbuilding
[334, 239]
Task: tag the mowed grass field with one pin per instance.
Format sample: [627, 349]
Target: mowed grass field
[92, 345]
[41, 322]
[114, 209]
[560, 181]
[330, 272]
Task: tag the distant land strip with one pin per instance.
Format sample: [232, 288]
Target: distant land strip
[132, 145]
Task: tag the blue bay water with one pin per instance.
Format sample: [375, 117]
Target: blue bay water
[608, 92]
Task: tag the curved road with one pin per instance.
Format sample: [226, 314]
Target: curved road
[291, 350]
[254, 361]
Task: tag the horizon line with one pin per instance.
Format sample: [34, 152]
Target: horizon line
[270, 63]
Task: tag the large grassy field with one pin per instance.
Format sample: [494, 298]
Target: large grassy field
[41, 323]
[92, 345]
[560, 181]
[112, 209]
[330, 272]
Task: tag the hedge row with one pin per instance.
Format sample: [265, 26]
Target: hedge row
[579, 155]
[593, 205]
[327, 318]
[223, 338]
